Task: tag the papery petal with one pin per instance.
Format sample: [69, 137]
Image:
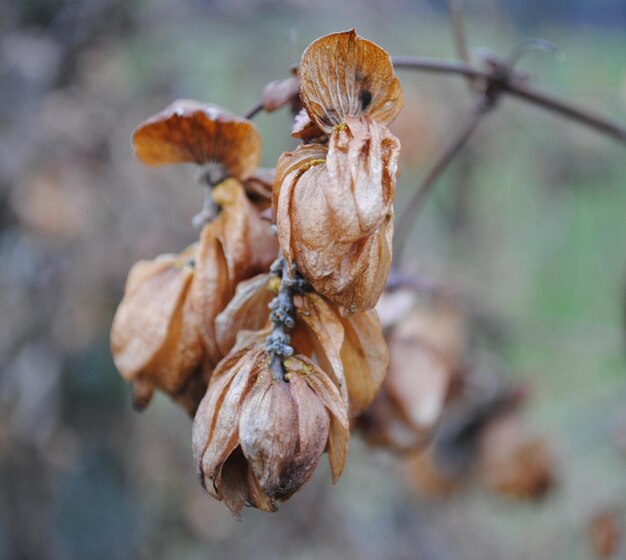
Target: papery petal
[365, 358]
[343, 75]
[190, 131]
[326, 327]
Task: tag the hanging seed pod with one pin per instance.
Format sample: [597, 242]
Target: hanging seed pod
[258, 439]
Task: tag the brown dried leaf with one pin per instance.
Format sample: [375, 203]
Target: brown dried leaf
[212, 288]
[154, 338]
[215, 432]
[343, 75]
[188, 131]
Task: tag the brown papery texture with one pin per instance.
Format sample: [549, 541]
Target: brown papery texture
[257, 439]
[343, 75]
[189, 131]
[235, 246]
[154, 337]
[352, 350]
[335, 217]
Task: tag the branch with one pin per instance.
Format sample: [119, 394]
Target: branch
[507, 82]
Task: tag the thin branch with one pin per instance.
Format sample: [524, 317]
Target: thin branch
[439, 66]
[508, 83]
[254, 110]
[599, 123]
[407, 218]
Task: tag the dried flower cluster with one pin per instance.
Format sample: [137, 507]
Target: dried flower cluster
[267, 335]
[265, 330]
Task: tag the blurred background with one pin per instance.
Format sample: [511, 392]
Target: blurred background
[528, 223]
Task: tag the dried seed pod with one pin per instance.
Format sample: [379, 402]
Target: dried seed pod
[352, 349]
[334, 212]
[189, 131]
[154, 337]
[343, 75]
[258, 439]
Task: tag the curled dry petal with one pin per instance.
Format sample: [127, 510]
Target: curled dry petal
[259, 186]
[154, 336]
[192, 132]
[335, 217]
[343, 75]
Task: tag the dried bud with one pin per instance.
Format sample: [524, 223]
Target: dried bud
[425, 347]
[257, 439]
[605, 531]
[334, 212]
[154, 337]
[352, 349]
[192, 132]
[513, 462]
[279, 93]
[343, 75]
[428, 477]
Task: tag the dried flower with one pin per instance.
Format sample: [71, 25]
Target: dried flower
[257, 439]
[334, 212]
[154, 338]
[343, 75]
[189, 131]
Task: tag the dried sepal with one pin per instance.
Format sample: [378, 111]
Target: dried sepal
[352, 350]
[189, 131]
[154, 337]
[246, 311]
[257, 438]
[343, 75]
[235, 246]
[335, 217]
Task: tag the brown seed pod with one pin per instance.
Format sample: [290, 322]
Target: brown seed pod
[257, 439]
[189, 131]
[334, 212]
[343, 75]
